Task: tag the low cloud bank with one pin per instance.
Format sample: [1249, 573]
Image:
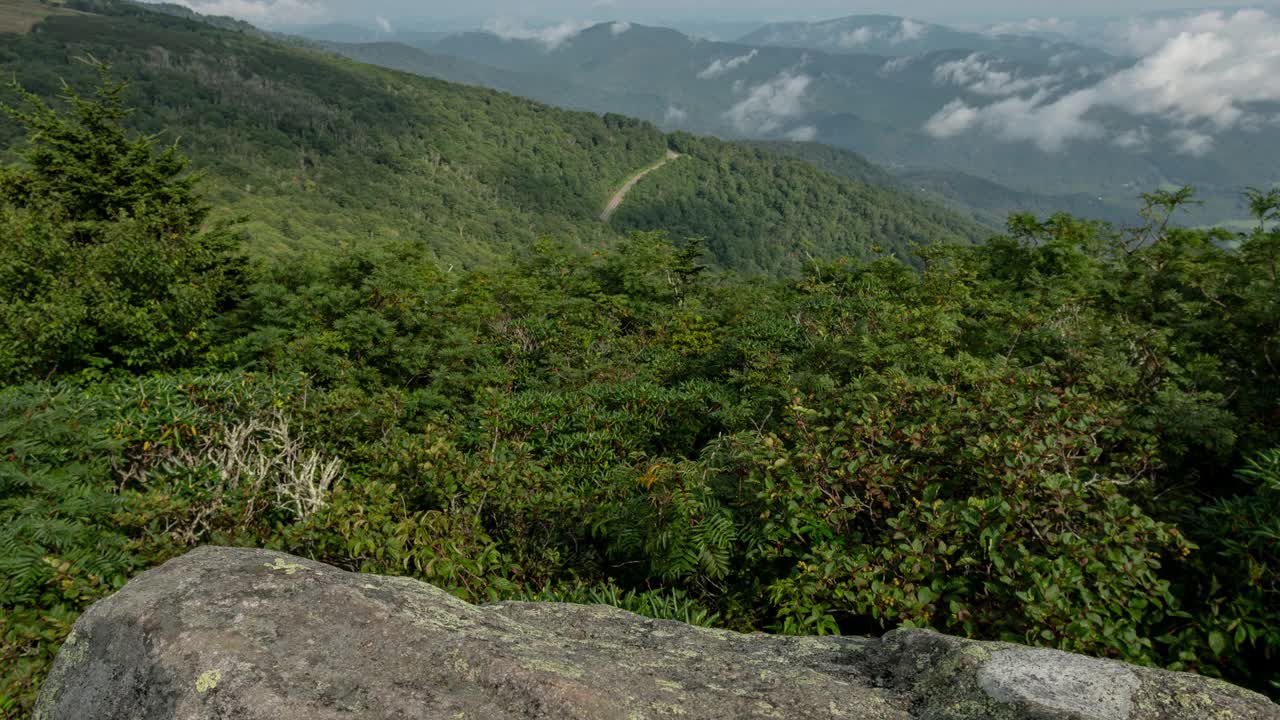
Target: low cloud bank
[550, 37]
[769, 105]
[986, 76]
[721, 67]
[1204, 75]
[907, 30]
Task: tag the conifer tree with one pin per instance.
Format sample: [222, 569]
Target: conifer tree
[105, 260]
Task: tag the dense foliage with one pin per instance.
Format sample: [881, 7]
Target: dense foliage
[763, 215]
[318, 151]
[1067, 436]
[105, 261]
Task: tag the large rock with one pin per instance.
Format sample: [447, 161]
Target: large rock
[249, 634]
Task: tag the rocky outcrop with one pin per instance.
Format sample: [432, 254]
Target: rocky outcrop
[250, 634]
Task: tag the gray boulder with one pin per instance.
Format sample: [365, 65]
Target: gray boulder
[254, 635]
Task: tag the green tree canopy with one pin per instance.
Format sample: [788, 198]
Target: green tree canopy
[104, 257]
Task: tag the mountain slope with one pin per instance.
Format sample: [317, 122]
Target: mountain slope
[744, 192]
[990, 202]
[958, 110]
[543, 88]
[322, 151]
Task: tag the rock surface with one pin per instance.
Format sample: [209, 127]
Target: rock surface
[250, 634]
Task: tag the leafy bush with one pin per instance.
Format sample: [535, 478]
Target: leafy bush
[105, 263]
[1236, 578]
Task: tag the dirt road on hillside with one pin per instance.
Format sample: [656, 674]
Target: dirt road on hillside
[619, 196]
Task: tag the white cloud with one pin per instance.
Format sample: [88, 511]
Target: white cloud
[804, 133]
[675, 115]
[909, 30]
[1201, 80]
[264, 13]
[720, 67]
[955, 118]
[619, 28]
[897, 64]
[383, 24]
[550, 37]
[1050, 125]
[1142, 36]
[1061, 58]
[1137, 139]
[983, 76]
[1191, 142]
[1034, 25]
[767, 105]
[906, 31]
[856, 38]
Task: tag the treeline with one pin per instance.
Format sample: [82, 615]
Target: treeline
[1067, 436]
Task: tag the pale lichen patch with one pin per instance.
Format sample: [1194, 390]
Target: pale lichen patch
[553, 667]
[208, 680]
[767, 709]
[74, 653]
[669, 685]
[288, 568]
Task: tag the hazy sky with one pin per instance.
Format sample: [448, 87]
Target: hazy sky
[475, 12]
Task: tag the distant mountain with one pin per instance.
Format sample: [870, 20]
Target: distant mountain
[543, 88]
[990, 203]
[347, 33]
[892, 36]
[324, 152]
[890, 109]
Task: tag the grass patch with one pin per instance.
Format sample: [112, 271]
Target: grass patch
[19, 16]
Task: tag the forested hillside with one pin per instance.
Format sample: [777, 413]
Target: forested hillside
[989, 202]
[759, 212]
[892, 99]
[448, 368]
[320, 151]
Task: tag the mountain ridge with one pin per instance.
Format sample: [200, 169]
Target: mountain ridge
[322, 151]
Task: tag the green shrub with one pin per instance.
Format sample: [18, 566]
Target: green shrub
[103, 259]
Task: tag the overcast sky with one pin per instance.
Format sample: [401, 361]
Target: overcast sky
[422, 14]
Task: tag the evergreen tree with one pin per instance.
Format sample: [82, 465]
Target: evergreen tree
[104, 257]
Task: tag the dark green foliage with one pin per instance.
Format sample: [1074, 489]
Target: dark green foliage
[762, 215]
[656, 604]
[105, 260]
[1240, 562]
[96, 486]
[322, 153]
